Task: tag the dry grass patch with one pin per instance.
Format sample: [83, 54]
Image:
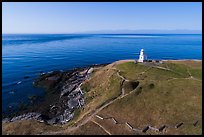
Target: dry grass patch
[27, 127]
[89, 128]
[115, 129]
[101, 88]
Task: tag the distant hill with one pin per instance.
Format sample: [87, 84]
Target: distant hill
[176, 31]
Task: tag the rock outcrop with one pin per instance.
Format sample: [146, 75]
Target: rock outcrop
[71, 96]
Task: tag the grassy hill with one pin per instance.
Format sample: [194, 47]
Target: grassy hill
[145, 95]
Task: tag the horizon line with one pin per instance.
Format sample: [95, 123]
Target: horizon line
[96, 33]
[125, 31]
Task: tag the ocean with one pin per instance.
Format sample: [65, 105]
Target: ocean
[25, 56]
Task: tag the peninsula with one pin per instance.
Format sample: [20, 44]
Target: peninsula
[123, 97]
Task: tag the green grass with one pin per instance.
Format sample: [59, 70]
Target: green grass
[160, 75]
[159, 101]
[197, 73]
[189, 63]
[179, 69]
[195, 68]
[167, 103]
[131, 70]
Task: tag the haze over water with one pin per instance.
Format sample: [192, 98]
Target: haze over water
[24, 57]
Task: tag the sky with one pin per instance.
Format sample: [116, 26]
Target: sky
[73, 17]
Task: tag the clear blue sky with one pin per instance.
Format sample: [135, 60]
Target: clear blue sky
[70, 17]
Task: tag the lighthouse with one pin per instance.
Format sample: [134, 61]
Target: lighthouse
[141, 57]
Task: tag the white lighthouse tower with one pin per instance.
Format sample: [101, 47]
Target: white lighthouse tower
[141, 57]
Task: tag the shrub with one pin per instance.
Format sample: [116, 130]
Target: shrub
[151, 86]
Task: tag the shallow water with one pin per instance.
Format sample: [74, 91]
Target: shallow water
[24, 57]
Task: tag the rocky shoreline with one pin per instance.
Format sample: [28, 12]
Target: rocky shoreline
[63, 96]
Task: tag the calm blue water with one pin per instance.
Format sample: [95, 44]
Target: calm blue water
[28, 55]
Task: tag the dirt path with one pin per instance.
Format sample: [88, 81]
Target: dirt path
[190, 77]
[86, 118]
[89, 117]
[102, 127]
